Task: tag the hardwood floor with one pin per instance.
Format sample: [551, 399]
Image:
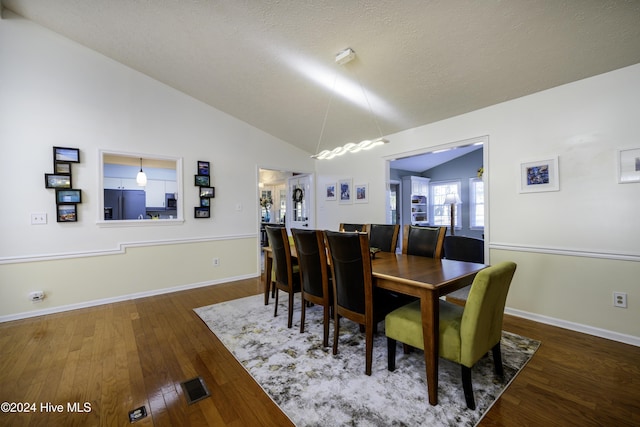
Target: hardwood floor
[121, 356]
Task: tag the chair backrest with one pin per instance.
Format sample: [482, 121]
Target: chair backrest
[281, 251]
[461, 248]
[351, 270]
[481, 325]
[383, 236]
[423, 241]
[312, 259]
[360, 228]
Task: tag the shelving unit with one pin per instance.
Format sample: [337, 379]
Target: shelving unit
[415, 200]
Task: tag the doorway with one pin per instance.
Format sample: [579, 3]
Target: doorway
[460, 161]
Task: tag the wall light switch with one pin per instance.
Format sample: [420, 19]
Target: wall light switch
[38, 218]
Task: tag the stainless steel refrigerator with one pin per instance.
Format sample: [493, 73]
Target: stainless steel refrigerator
[124, 204]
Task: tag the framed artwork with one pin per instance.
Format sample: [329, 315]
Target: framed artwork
[202, 180]
[205, 202]
[330, 191]
[344, 188]
[539, 176]
[203, 168]
[362, 193]
[53, 180]
[628, 165]
[63, 168]
[67, 213]
[201, 212]
[68, 196]
[65, 154]
[209, 192]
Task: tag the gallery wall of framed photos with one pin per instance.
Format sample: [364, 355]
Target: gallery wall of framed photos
[203, 181]
[61, 180]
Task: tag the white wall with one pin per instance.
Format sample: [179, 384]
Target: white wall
[58, 93]
[575, 246]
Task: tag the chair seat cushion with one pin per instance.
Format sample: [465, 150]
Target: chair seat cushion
[405, 325]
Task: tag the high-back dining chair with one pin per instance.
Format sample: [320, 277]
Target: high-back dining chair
[360, 228]
[314, 275]
[383, 236]
[355, 297]
[461, 248]
[285, 278]
[466, 333]
[423, 241]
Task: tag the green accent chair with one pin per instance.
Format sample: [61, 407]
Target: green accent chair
[466, 333]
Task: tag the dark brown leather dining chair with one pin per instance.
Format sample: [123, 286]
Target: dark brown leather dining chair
[384, 236]
[314, 275]
[360, 228]
[355, 297]
[423, 241]
[286, 280]
[461, 248]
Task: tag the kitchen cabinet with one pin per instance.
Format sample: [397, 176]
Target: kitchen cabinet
[415, 200]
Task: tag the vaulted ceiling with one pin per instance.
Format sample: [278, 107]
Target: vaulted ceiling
[271, 63]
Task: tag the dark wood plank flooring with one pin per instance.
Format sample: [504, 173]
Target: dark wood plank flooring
[120, 356]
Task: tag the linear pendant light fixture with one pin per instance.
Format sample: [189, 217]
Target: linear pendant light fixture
[344, 57]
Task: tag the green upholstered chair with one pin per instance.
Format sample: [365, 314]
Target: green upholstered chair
[314, 275]
[466, 333]
[286, 279]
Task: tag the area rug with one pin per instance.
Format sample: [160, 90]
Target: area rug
[315, 388]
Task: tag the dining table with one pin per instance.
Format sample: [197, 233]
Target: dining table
[425, 278]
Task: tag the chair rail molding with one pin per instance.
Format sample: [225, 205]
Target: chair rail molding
[120, 249]
[565, 251]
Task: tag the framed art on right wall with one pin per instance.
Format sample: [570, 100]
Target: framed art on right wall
[539, 175]
[628, 161]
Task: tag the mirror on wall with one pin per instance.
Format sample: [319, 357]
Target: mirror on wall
[139, 187]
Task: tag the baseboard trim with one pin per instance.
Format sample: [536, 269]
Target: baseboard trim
[578, 327]
[103, 301]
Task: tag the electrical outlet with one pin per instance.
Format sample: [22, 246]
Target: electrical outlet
[216, 262]
[38, 218]
[620, 299]
[36, 296]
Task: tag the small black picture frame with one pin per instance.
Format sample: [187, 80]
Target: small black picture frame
[67, 213]
[209, 192]
[64, 196]
[201, 212]
[203, 168]
[57, 180]
[201, 180]
[66, 154]
[205, 202]
[62, 168]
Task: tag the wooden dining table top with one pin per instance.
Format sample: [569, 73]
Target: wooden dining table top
[432, 274]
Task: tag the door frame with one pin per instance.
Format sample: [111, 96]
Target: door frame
[484, 139]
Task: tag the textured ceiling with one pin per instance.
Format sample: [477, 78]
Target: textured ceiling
[271, 63]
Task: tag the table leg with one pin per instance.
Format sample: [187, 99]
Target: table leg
[268, 262]
[429, 307]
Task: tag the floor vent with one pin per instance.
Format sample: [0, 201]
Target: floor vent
[195, 390]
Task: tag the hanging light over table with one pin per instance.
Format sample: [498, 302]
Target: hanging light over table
[342, 58]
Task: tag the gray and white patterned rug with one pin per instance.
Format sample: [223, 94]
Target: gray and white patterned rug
[315, 388]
